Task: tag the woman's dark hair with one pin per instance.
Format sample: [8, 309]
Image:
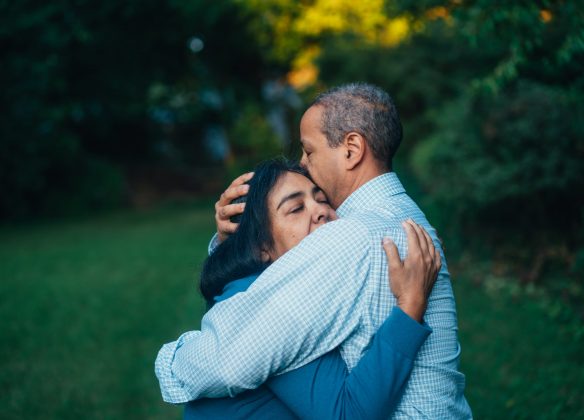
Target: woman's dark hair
[240, 254]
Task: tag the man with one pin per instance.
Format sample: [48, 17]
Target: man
[316, 298]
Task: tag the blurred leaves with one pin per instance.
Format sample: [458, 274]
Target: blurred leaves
[490, 93]
[520, 145]
[77, 83]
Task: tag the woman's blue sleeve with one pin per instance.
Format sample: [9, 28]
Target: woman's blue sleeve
[324, 389]
[257, 404]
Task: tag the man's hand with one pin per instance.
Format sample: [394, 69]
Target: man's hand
[412, 280]
[224, 210]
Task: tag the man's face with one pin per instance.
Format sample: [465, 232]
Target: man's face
[324, 163]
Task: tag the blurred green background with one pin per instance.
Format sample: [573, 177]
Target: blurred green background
[122, 121]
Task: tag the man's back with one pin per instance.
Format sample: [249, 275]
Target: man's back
[436, 387]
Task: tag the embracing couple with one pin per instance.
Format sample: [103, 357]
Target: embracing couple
[328, 292]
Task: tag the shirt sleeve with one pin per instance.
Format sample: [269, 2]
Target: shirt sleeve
[300, 308]
[324, 389]
[213, 244]
[258, 404]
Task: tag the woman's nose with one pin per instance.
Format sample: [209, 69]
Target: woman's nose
[320, 214]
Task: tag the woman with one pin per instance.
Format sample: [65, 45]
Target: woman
[282, 207]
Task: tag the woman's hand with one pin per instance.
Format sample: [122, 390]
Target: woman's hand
[412, 280]
[224, 210]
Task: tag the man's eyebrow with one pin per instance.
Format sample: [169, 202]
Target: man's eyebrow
[316, 189]
[290, 197]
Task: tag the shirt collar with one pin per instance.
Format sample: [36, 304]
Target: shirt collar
[374, 192]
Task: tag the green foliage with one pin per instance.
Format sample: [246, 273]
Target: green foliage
[520, 151]
[543, 39]
[53, 176]
[76, 84]
[252, 140]
[271, 24]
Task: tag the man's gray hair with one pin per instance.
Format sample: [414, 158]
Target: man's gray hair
[365, 109]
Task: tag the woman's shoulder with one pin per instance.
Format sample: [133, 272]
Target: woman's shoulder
[236, 286]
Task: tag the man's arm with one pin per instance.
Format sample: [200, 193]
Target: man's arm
[297, 310]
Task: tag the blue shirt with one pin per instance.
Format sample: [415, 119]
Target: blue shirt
[324, 389]
[328, 291]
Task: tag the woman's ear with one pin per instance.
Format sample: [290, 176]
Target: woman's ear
[355, 146]
[265, 255]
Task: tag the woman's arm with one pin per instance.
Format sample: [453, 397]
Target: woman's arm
[257, 404]
[324, 389]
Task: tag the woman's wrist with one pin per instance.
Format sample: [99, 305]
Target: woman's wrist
[413, 306]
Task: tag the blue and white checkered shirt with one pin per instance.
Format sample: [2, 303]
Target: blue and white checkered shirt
[330, 290]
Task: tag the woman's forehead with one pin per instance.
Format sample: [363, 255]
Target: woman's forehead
[291, 183]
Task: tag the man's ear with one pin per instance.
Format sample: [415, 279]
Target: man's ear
[355, 147]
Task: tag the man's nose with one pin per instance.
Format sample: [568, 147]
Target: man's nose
[302, 162]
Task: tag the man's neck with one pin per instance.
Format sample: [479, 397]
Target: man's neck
[359, 179]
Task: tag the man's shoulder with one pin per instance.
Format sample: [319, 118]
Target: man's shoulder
[339, 242]
[339, 233]
[378, 220]
[338, 246]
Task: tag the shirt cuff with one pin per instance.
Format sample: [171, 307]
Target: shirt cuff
[172, 389]
[213, 244]
[404, 333]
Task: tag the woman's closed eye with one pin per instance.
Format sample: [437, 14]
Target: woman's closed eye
[297, 209]
[321, 198]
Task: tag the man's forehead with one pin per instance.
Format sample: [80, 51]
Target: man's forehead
[310, 127]
[312, 117]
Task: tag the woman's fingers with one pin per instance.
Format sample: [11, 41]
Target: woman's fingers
[422, 240]
[413, 241]
[437, 260]
[413, 279]
[393, 260]
[431, 250]
[427, 257]
[429, 241]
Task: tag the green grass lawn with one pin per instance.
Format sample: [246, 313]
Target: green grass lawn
[86, 304]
